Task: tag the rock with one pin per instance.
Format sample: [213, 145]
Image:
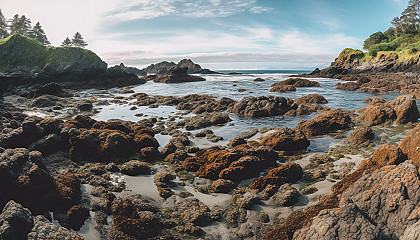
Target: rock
[206, 120]
[133, 70]
[77, 216]
[259, 80]
[244, 168]
[176, 75]
[15, 221]
[46, 101]
[163, 178]
[134, 168]
[248, 200]
[25, 179]
[265, 106]
[286, 196]
[401, 110]
[48, 144]
[134, 218]
[210, 163]
[236, 142]
[221, 186]
[85, 106]
[410, 145]
[311, 99]
[150, 154]
[67, 191]
[361, 135]
[386, 200]
[287, 173]
[325, 122]
[297, 82]
[45, 230]
[283, 88]
[193, 214]
[108, 141]
[286, 139]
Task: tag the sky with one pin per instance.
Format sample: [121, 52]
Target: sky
[217, 34]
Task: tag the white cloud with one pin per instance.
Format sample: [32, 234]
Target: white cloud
[147, 9]
[260, 47]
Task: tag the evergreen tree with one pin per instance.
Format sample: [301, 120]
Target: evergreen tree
[38, 34]
[66, 42]
[3, 26]
[14, 24]
[78, 41]
[24, 25]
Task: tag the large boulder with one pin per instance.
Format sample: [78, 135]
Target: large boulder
[311, 99]
[287, 173]
[134, 218]
[296, 82]
[401, 110]
[411, 144]
[377, 206]
[264, 106]
[286, 139]
[177, 75]
[361, 135]
[325, 122]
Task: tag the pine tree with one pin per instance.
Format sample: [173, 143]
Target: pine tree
[66, 42]
[78, 41]
[38, 34]
[3, 26]
[24, 25]
[397, 23]
[14, 24]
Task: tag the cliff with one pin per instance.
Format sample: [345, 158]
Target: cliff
[20, 55]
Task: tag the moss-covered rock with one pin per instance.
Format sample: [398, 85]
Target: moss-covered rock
[22, 54]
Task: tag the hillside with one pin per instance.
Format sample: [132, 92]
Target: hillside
[29, 57]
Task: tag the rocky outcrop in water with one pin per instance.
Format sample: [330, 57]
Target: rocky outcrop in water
[162, 67]
[361, 135]
[177, 75]
[291, 84]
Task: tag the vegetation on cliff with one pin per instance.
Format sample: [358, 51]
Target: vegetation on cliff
[21, 52]
[400, 43]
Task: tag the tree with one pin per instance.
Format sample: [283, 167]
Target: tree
[373, 39]
[38, 34]
[411, 15]
[24, 25]
[397, 23]
[66, 42]
[78, 41]
[3, 26]
[14, 24]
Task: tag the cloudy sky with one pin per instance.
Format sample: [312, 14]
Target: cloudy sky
[218, 34]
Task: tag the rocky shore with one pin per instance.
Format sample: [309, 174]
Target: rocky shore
[65, 175]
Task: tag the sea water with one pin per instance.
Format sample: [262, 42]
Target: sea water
[227, 85]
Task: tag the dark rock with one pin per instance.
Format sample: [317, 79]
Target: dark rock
[177, 75]
[77, 216]
[266, 106]
[15, 221]
[311, 99]
[134, 168]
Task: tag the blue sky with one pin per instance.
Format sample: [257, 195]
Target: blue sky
[218, 34]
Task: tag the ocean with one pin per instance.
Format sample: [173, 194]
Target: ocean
[227, 86]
